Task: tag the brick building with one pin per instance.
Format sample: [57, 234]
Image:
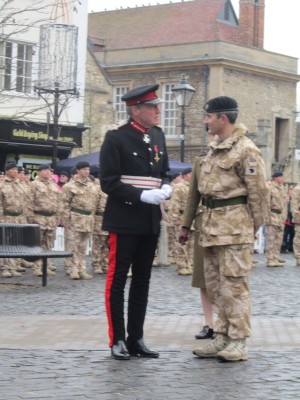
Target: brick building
[220, 53]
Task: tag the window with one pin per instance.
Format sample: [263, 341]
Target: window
[227, 14]
[168, 111]
[16, 67]
[119, 105]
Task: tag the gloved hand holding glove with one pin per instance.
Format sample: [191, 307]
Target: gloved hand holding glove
[153, 196]
[167, 189]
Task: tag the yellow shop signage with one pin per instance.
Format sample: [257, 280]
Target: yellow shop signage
[39, 135]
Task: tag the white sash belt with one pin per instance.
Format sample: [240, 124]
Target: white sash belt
[143, 182]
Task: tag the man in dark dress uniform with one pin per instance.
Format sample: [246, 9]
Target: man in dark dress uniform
[133, 172]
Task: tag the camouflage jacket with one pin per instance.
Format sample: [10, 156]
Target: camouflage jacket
[233, 168]
[78, 205]
[277, 205]
[43, 208]
[178, 202]
[13, 199]
[295, 204]
[101, 202]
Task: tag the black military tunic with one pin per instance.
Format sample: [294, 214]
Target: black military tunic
[133, 225]
[127, 151]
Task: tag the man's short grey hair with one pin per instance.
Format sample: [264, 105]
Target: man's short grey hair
[231, 115]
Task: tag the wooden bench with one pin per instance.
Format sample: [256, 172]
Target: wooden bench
[24, 241]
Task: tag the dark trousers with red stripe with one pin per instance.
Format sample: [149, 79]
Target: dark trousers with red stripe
[138, 252]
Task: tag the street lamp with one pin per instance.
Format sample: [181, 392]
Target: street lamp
[57, 73]
[183, 93]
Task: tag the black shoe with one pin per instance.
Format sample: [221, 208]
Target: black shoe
[119, 351]
[206, 333]
[139, 348]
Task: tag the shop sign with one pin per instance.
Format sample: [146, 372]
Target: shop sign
[19, 133]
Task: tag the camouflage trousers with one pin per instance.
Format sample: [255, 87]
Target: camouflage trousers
[47, 243]
[100, 252]
[162, 251]
[11, 264]
[296, 243]
[227, 270]
[274, 242]
[68, 240]
[78, 248]
[183, 254]
[172, 240]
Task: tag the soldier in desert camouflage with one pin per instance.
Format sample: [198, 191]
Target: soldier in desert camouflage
[275, 219]
[233, 190]
[183, 255]
[43, 210]
[100, 247]
[24, 177]
[295, 209]
[13, 210]
[172, 232]
[78, 202]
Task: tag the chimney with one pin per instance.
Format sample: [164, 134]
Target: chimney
[252, 22]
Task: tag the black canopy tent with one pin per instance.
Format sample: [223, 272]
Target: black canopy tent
[93, 160]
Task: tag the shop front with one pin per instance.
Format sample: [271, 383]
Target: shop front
[31, 144]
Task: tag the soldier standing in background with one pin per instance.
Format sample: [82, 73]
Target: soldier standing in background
[13, 210]
[295, 208]
[289, 227]
[43, 210]
[176, 178]
[63, 178]
[79, 197]
[233, 192]
[24, 177]
[275, 219]
[183, 255]
[68, 233]
[100, 247]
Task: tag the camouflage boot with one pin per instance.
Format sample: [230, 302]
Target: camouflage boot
[51, 266]
[6, 274]
[213, 347]
[74, 275]
[235, 351]
[85, 276]
[97, 269]
[26, 264]
[15, 273]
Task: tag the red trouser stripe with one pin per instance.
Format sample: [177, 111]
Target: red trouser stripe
[109, 280]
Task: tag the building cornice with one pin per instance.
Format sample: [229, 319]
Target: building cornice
[229, 55]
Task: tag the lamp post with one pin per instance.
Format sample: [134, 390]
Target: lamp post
[183, 93]
[57, 73]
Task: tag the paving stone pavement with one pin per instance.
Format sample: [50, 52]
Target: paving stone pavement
[53, 341]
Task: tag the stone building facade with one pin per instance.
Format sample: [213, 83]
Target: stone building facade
[220, 55]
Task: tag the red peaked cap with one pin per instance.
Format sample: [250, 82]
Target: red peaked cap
[142, 94]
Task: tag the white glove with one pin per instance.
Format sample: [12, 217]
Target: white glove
[153, 196]
[167, 189]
